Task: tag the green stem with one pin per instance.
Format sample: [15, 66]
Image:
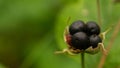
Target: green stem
[82, 60]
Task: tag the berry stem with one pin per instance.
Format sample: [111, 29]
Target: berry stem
[99, 13]
[82, 60]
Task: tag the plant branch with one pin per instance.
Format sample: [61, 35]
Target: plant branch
[111, 41]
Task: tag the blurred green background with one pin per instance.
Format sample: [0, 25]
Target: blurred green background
[32, 30]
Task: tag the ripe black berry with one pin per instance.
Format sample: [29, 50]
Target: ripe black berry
[80, 41]
[76, 26]
[92, 28]
[94, 40]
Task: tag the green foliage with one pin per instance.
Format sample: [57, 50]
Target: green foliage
[32, 30]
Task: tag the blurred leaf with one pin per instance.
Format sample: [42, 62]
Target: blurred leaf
[23, 23]
[42, 56]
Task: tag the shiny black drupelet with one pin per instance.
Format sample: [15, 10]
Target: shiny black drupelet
[77, 26]
[92, 28]
[84, 35]
[94, 40]
[80, 40]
